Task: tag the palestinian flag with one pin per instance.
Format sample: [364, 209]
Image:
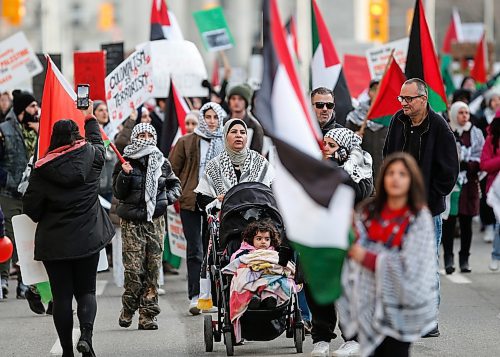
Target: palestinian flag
[58, 102]
[215, 81]
[326, 68]
[173, 126]
[386, 104]
[422, 61]
[311, 193]
[480, 70]
[453, 34]
[293, 43]
[164, 25]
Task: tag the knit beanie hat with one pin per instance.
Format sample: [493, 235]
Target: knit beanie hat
[21, 100]
[242, 90]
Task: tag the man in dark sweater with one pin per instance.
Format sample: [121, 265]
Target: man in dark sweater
[418, 130]
[323, 104]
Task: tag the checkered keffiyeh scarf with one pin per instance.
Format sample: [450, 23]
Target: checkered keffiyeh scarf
[216, 141]
[399, 299]
[140, 148]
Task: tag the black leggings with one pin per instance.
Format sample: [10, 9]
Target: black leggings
[465, 235]
[393, 348]
[70, 278]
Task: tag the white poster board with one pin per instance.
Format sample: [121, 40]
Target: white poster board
[129, 85]
[182, 61]
[177, 241]
[18, 62]
[33, 271]
[472, 31]
[378, 56]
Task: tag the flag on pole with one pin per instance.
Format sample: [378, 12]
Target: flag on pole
[453, 34]
[310, 192]
[422, 60]
[164, 25]
[326, 68]
[173, 126]
[215, 81]
[292, 38]
[58, 102]
[480, 70]
[386, 104]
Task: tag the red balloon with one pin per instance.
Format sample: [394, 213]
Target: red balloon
[6, 249]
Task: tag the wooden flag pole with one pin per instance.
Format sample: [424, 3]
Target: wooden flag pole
[362, 129]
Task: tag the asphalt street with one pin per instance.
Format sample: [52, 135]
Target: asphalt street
[469, 322]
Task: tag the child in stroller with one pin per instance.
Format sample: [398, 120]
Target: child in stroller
[258, 280]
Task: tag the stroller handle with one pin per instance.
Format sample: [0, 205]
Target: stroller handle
[212, 206]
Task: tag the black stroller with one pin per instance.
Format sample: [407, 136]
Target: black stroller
[243, 204]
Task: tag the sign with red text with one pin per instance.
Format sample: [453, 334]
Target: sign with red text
[129, 85]
[90, 68]
[378, 56]
[18, 62]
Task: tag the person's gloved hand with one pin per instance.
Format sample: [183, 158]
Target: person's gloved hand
[341, 155]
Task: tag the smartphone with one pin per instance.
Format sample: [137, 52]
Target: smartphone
[82, 96]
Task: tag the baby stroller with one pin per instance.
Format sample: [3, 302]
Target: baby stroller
[243, 204]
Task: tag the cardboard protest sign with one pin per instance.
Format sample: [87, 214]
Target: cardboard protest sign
[378, 56]
[177, 241]
[90, 68]
[114, 55]
[356, 73]
[183, 61]
[213, 29]
[18, 62]
[129, 85]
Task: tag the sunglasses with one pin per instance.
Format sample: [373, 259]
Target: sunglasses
[408, 99]
[321, 105]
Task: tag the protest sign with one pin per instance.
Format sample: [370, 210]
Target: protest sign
[378, 56]
[178, 244]
[39, 79]
[129, 85]
[18, 62]
[183, 61]
[356, 73]
[90, 68]
[114, 55]
[213, 29]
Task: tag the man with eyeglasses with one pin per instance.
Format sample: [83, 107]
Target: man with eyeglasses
[324, 107]
[418, 130]
[18, 136]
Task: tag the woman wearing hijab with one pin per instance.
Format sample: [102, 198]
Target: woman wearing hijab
[189, 158]
[144, 186]
[72, 226]
[464, 200]
[235, 164]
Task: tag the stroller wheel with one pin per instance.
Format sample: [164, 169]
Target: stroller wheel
[228, 340]
[299, 338]
[208, 333]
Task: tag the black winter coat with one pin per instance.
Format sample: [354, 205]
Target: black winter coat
[130, 190]
[62, 198]
[438, 156]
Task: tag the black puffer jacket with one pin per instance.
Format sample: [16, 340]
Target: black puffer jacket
[62, 198]
[131, 190]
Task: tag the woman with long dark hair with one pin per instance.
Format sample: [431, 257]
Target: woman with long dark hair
[389, 282]
[62, 196]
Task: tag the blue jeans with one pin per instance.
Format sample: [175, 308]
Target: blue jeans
[304, 308]
[438, 227]
[495, 254]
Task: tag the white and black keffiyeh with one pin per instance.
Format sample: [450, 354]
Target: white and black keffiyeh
[216, 140]
[140, 148]
[399, 299]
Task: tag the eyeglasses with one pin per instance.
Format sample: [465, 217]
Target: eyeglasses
[408, 99]
[321, 105]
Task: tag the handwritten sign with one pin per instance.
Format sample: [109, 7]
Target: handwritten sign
[129, 85]
[18, 62]
[378, 56]
[177, 241]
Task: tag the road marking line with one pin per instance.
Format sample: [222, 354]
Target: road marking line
[458, 279]
[100, 286]
[57, 349]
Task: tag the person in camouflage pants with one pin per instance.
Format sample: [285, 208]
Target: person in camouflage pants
[142, 254]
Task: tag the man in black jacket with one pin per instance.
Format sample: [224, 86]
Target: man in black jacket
[421, 132]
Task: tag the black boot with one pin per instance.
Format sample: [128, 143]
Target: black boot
[449, 265]
[34, 301]
[67, 351]
[84, 345]
[464, 264]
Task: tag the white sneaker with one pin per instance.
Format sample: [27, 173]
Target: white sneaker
[489, 233]
[321, 349]
[161, 291]
[193, 306]
[493, 264]
[349, 348]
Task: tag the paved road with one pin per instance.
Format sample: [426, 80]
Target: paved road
[469, 322]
